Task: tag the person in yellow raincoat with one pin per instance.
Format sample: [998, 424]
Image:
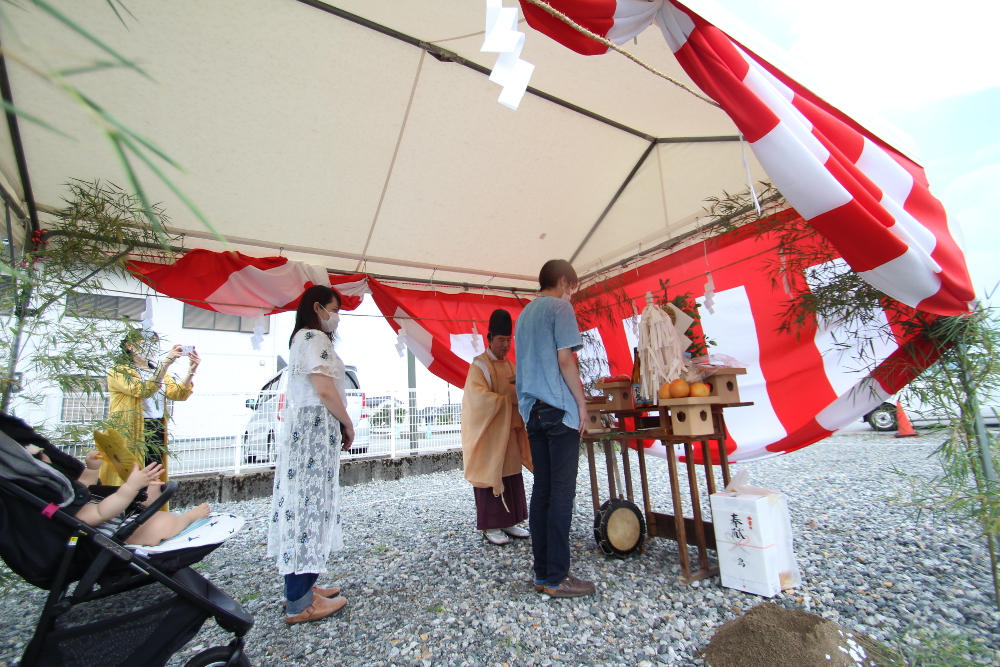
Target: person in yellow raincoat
[494, 442]
[139, 393]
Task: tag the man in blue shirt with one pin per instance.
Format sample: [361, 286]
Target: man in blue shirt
[550, 399]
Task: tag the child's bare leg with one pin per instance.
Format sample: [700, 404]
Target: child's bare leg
[164, 525]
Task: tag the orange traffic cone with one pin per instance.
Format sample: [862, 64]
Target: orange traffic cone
[905, 428]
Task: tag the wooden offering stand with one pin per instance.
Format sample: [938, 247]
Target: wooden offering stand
[695, 430]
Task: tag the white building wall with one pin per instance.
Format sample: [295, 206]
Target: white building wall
[229, 362]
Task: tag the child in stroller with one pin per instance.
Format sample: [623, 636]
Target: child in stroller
[45, 542]
[108, 515]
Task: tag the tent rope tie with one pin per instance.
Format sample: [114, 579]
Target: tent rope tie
[544, 6]
[746, 167]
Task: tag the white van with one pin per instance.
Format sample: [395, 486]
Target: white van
[264, 427]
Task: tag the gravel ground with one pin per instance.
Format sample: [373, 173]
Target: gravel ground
[425, 589]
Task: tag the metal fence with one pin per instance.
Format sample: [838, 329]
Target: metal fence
[234, 432]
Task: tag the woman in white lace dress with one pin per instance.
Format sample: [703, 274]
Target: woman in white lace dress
[305, 506]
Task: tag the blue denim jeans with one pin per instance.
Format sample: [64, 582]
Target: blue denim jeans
[555, 452]
[298, 592]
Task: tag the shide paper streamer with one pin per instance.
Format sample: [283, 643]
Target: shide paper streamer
[258, 332]
[503, 37]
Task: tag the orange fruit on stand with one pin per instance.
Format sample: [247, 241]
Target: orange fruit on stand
[679, 389]
[664, 391]
[700, 389]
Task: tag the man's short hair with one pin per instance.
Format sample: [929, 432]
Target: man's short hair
[553, 270]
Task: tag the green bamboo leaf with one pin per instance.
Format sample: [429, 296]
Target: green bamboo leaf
[127, 131]
[33, 119]
[117, 140]
[177, 191]
[111, 3]
[8, 270]
[96, 66]
[65, 20]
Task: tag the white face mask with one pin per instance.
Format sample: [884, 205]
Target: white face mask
[567, 295]
[329, 325]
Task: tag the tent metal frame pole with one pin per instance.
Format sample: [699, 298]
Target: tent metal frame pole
[237, 240]
[666, 245]
[621, 189]
[18, 146]
[14, 205]
[697, 140]
[444, 55]
[177, 250]
[440, 283]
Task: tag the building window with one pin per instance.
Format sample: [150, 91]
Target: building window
[199, 318]
[105, 307]
[80, 407]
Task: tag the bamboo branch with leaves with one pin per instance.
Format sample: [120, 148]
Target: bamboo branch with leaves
[52, 334]
[956, 358]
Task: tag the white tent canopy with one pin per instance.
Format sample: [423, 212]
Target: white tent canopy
[367, 136]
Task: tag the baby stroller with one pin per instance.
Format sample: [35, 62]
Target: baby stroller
[42, 542]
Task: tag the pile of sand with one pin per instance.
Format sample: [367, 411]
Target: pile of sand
[771, 636]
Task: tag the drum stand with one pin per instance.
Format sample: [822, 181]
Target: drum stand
[674, 526]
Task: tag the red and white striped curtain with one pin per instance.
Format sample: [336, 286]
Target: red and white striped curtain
[444, 328]
[238, 284]
[804, 385]
[801, 386]
[871, 202]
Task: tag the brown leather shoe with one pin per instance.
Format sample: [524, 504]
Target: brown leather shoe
[323, 593]
[571, 587]
[540, 587]
[320, 608]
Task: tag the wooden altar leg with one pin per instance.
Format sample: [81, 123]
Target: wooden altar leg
[609, 458]
[723, 454]
[627, 470]
[594, 492]
[706, 453]
[699, 525]
[646, 501]
[725, 464]
[675, 493]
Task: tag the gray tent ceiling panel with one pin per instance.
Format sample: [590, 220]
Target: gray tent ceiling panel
[261, 131]
[473, 179]
[666, 199]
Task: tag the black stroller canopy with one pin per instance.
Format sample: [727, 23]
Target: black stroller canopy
[20, 467]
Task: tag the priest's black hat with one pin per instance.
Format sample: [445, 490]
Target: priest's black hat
[500, 323]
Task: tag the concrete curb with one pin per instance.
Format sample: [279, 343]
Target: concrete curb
[221, 488]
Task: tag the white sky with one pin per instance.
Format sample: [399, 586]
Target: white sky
[889, 53]
[930, 68]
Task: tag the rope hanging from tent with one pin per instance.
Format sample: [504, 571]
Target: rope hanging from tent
[546, 7]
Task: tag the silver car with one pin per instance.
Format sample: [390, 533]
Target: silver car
[264, 426]
[883, 418]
